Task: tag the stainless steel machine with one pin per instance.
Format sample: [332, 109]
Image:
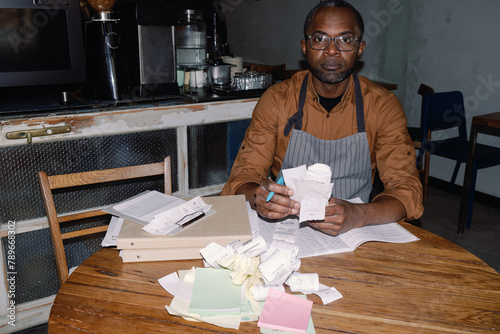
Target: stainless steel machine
[106, 64]
[150, 45]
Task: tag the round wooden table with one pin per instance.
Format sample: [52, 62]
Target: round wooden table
[427, 286]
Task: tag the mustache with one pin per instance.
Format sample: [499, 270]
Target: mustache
[330, 62]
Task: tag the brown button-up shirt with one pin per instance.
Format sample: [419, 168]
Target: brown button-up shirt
[391, 148]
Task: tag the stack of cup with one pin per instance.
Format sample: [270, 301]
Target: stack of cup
[238, 61]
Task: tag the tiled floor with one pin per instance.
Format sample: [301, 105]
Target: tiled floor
[440, 217]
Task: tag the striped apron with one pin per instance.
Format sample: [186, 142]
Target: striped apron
[349, 157]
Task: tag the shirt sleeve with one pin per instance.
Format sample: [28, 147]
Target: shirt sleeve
[396, 159]
[257, 151]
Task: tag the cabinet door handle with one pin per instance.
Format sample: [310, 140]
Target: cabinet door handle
[29, 134]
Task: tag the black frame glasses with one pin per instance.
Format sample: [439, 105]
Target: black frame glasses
[337, 41]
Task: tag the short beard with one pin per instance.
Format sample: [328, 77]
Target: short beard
[331, 78]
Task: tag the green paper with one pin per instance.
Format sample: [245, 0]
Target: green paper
[215, 293]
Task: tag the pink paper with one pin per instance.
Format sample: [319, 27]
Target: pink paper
[286, 312]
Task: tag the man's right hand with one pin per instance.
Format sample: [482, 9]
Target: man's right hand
[280, 205]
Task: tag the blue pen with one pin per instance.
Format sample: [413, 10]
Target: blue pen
[271, 194]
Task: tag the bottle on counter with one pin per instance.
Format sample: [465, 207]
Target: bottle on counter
[191, 40]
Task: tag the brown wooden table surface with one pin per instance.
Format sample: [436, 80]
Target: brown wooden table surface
[490, 120]
[427, 286]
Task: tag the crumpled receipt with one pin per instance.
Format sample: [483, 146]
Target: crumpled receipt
[312, 188]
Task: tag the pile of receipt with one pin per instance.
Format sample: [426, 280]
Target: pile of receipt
[257, 267]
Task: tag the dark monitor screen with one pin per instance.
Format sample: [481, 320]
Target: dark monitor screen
[40, 44]
[25, 46]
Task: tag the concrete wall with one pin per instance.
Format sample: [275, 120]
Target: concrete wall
[446, 44]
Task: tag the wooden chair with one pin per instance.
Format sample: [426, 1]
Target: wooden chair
[269, 69]
[49, 183]
[285, 74]
[416, 136]
[278, 72]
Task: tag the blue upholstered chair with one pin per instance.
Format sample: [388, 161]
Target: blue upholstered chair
[443, 111]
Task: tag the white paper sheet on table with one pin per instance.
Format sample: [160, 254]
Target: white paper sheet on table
[312, 242]
[115, 225]
[173, 285]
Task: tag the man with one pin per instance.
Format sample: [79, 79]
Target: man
[330, 115]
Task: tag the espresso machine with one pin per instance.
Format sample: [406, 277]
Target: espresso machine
[106, 63]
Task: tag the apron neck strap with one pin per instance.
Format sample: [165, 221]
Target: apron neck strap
[360, 116]
[296, 119]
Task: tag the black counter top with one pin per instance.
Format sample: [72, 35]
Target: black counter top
[207, 94]
[39, 106]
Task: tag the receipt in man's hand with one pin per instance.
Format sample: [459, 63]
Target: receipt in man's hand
[312, 188]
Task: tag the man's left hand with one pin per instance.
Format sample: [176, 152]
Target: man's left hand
[340, 216]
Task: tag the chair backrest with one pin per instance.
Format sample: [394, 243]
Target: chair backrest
[286, 74]
[269, 69]
[423, 90]
[416, 133]
[444, 111]
[49, 183]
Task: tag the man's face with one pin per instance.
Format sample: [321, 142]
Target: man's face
[332, 66]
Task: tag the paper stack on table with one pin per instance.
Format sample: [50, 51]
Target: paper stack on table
[214, 293]
[259, 270]
[226, 221]
[161, 214]
[209, 295]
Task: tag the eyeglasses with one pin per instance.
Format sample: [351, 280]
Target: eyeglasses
[322, 42]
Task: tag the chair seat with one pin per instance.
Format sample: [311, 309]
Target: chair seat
[485, 156]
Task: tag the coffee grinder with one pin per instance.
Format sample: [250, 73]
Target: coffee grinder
[107, 71]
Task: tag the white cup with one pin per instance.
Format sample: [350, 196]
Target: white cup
[197, 79]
